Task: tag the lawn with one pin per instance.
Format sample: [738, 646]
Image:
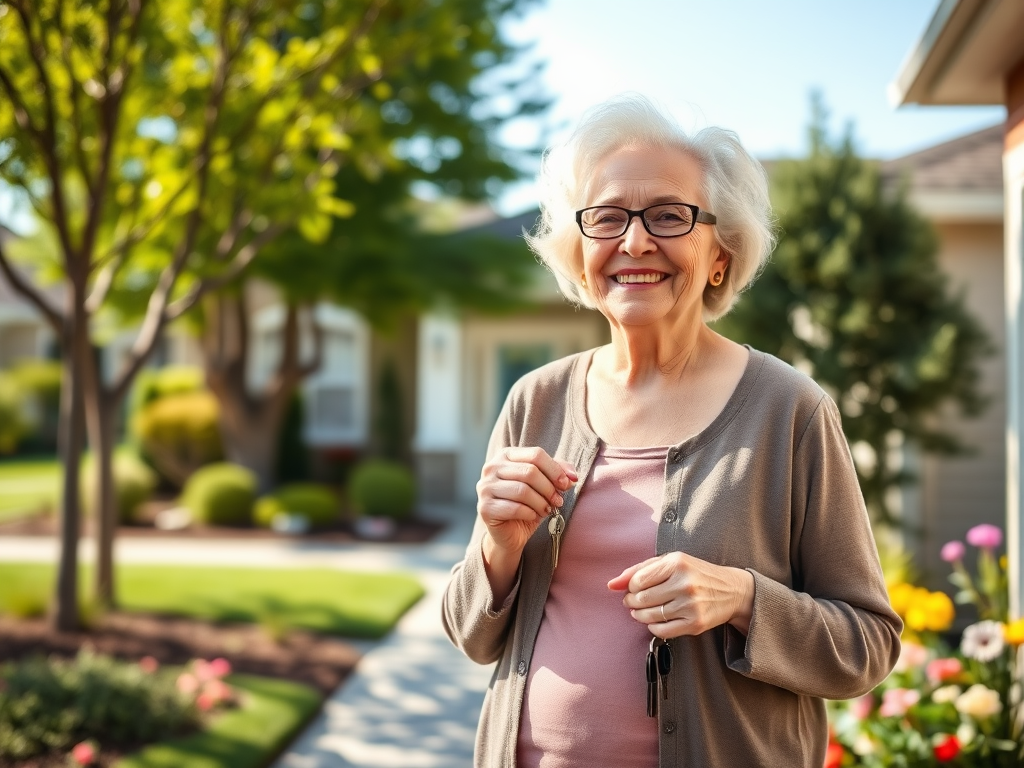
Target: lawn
[334, 602]
[28, 486]
[272, 713]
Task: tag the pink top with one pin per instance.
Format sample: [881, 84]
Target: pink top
[586, 693]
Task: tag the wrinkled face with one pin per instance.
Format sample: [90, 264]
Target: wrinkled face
[638, 279]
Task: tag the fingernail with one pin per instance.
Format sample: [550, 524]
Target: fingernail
[556, 499]
[564, 482]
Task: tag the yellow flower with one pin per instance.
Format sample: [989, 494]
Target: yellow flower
[900, 595]
[1013, 633]
[931, 611]
[979, 702]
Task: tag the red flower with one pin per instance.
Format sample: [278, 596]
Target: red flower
[149, 665]
[84, 753]
[947, 749]
[834, 755]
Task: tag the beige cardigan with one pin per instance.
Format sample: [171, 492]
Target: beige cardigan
[769, 486]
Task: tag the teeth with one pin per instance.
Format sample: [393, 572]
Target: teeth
[650, 277]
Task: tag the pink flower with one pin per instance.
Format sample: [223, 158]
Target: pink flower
[861, 706]
[218, 691]
[149, 665]
[201, 669]
[952, 551]
[912, 655]
[205, 702]
[220, 667]
[187, 684]
[897, 701]
[940, 670]
[985, 536]
[84, 753]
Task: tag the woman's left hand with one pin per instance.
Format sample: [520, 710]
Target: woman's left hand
[677, 594]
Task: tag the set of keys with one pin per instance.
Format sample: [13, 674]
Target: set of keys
[659, 663]
[556, 524]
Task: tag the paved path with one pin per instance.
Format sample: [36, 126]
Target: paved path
[413, 700]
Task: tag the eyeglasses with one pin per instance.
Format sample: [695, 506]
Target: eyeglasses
[659, 662]
[603, 222]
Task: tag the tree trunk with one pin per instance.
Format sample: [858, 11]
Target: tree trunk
[74, 348]
[101, 413]
[249, 435]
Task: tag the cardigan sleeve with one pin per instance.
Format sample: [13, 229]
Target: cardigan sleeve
[471, 619]
[837, 636]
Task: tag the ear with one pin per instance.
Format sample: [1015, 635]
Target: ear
[721, 262]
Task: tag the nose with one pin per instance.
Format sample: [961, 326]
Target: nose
[636, 240]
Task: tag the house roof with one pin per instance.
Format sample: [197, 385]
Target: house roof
[971, 162]
[964, 54]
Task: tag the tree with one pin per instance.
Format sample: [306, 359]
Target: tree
[165, 145]
[854, 295]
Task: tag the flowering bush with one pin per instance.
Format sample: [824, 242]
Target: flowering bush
[941, 707]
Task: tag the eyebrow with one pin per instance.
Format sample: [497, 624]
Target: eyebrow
[618, 200]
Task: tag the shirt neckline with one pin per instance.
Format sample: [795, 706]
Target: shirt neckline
[578, 403]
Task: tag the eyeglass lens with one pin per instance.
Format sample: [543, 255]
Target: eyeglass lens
[667, 220]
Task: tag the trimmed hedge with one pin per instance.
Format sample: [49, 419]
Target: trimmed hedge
[317, 503]
[221, 494]
[179, 432]
[382, 489]
[133, 483]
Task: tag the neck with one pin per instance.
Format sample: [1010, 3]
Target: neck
[637, 355]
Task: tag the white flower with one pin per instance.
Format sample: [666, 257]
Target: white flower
[863, 745]
[982, 641]
[979, 702]
[965, 733]
[946, 694]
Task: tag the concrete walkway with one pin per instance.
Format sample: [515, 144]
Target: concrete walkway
[413, 700]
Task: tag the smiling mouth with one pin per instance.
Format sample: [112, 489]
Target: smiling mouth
[645, 277]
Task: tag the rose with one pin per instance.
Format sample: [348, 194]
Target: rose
[940, 670]
[947, 749]
[985, 536]
[979, 702]
[220, 667]
[896, 701]
[84, 753]
[834, 755]
[952, 551]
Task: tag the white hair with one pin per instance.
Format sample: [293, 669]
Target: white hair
[734, 184]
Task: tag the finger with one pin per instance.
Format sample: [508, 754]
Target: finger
[530, 476]
[540, 458]
[653, 572]
[514, 490]
[621, 582]
[497, 511]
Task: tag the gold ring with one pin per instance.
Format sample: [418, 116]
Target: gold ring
[663, 617]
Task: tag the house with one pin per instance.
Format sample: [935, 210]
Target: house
[972, 52]
[958, 186]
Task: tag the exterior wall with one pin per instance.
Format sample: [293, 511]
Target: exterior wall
[1013, 180]
[958, 492]
[493, 351]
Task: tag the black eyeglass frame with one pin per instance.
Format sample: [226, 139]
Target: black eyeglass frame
[699, 217]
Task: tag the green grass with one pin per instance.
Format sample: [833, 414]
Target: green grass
[364, 605]
[271, 715]
[28, 486]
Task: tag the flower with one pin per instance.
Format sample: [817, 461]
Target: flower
[982, 641]
[979, 702]
[1013, 633]
[220, 667]
[201, 669]
[84, 753]
[952, 551]
[187, 684]
[205, 702]
[947, 694]
[912, 655]
[985, 536]
[833, 755]
[941, 670]
[947, 749]
[149, 665]
[896, 701]
[932, 611]
[861, 706]
[900, 596]
[218, 691]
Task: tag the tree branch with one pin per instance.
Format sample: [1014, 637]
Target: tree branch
[18, 283]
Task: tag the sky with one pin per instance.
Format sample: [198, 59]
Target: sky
[746, 65]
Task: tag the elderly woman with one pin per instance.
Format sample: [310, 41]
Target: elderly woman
[672, 564]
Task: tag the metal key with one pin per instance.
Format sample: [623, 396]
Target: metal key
[556, 524]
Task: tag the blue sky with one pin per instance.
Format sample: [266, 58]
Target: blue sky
[740, 64]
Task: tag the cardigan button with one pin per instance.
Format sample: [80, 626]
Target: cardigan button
[669, 727]
[675, 456]
[670, 516]
[521, 669]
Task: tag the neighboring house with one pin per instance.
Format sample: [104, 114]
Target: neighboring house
[972, 52]
[958, 186]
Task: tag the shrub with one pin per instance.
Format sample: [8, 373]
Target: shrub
[179, 433]
[317, 503]
[49, 705]
[39, 381]
[13, 425]
[382, 489]
[133, 483]
[220, 494]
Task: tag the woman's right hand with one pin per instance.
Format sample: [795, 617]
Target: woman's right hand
[516, 489]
